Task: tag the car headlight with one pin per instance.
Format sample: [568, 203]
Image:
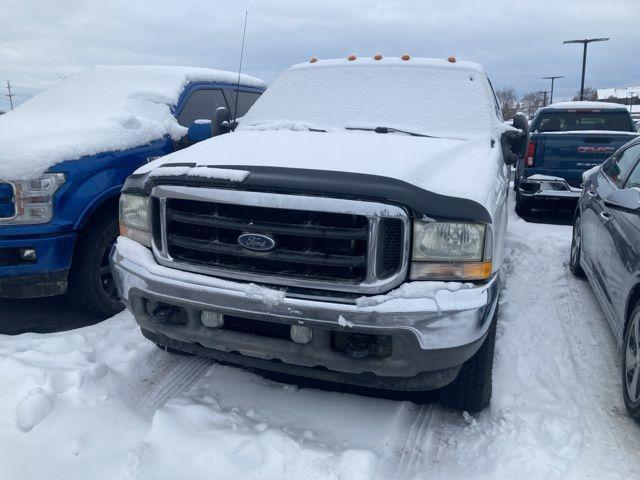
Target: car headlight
[134, 218]
[33, 199]
[451, 251]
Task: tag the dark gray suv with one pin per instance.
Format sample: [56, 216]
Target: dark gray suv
[605, 249]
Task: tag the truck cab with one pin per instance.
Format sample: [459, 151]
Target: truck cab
[567, 139]
[65, 154]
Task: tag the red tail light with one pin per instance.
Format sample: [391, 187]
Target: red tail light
[530, 156]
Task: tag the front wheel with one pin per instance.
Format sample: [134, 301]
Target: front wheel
[576, 248]
[631, 365]
[91, 284]
[471, 390]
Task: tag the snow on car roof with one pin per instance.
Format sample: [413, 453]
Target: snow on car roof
[425, 95]
[587, 105]
[103, 109]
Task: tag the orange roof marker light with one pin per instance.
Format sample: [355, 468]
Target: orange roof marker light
[377, 56]
[406, 57]
[313, 59]
[451, 59]
[351, 57]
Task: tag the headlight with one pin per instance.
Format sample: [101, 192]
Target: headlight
[33, 199]
[451, 251]
[134, 218]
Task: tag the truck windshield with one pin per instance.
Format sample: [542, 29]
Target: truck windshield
[419, 96]
[580, 121]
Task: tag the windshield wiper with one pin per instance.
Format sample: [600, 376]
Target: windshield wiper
[390, 129]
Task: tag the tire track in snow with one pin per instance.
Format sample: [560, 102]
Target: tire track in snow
[412, 443]
[594, 357]
[170, 380]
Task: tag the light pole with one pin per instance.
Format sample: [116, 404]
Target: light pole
[552, 78]
[544, 100]
[631, 96]
[585, 42]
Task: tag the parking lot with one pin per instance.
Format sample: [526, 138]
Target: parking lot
[553, 413]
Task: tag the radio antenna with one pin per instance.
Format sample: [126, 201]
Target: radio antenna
[244, 33]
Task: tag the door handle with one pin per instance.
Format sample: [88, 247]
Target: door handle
[607, 217]
[592, 193]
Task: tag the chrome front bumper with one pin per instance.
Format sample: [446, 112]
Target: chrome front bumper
[430, 334]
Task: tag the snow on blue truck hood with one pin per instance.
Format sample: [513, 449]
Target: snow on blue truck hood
[464, 168]
[99, 110]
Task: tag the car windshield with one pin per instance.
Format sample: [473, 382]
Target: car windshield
[438, 99]
[579, 121]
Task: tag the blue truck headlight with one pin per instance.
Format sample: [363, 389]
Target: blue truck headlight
[451, 251]
[134, 218]
[33, 199]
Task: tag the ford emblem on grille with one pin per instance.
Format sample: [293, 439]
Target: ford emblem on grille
[256, 242]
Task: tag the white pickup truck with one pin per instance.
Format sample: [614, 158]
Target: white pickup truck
[351, 230]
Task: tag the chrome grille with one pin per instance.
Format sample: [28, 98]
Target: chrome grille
[320, 243]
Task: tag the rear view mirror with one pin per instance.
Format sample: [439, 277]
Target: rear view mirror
[199, 130]
[627, 200]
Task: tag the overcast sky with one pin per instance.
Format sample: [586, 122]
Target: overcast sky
[516, 41]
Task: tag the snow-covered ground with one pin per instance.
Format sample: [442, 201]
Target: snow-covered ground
[101, 402]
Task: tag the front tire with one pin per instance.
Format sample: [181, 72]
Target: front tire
[471, 390]
[631, 365]
[91, 284]
[576, 248]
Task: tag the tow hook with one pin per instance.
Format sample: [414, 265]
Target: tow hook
[358, 346]
[162, 313]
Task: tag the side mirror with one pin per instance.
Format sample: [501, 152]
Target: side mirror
[221, 122]
[199, 130]
[626, 200]
[519, 147]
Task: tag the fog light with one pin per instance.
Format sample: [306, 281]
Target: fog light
[212, 319]
[28, 254]
[300, 334]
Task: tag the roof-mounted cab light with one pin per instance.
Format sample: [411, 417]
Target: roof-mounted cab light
[377, 56]
[451, 59]
[406, 57]
[313, 59]
[351, 57]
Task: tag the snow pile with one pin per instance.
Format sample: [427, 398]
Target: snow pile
[99, 110]
[431, 96]
[97, 403]
[196, 438]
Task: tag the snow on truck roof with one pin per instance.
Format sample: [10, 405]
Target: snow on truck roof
[106, 108]
[585, 105]
[432, 96]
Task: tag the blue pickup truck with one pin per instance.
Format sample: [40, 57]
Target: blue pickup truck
[65, 154]
[567, 139]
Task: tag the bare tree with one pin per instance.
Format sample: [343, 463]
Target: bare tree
[531, 102]
[508, 102]
[590, 93]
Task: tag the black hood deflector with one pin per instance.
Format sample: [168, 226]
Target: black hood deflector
[421, 203]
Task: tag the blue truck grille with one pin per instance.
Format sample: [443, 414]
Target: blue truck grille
[7, 204]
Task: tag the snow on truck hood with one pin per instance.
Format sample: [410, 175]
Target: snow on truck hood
[106, 108]
[460, 168]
